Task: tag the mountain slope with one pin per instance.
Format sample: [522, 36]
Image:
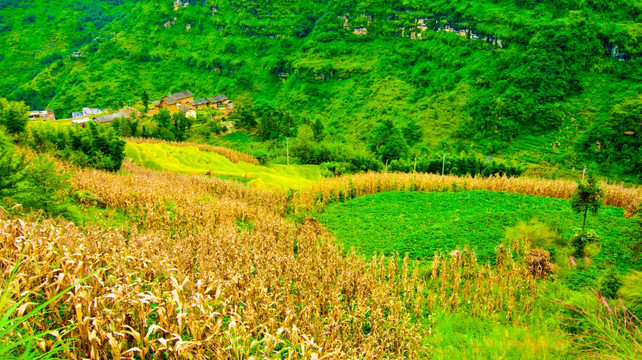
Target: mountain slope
[487, 72]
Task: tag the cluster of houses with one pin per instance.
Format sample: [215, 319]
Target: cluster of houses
[179, 102]
[103, 119]
[42, 115]
[86, 112]
[184, 102]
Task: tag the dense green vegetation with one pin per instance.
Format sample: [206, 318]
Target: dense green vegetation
[95, 146]
[550, 83]
[35, 184]
[422, 224]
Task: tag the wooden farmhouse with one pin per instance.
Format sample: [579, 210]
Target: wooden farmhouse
[200, 104]
[173, 101]
[184, 102]
[218, 102]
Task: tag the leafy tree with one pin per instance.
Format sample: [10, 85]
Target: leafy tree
[243, 114]
[587, 197]
[163, 118]
[412, 133]
[387, 141]
[318, 129]
[145, 99]
[394, 148]
[14, 116]
[303, 144]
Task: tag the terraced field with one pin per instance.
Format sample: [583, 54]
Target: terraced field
[191, 160]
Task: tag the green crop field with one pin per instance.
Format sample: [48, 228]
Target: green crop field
[420, 224]
[193, 161]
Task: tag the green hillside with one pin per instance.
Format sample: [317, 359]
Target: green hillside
[481, 76]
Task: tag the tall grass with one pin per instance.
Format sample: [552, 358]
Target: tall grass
[610, 331]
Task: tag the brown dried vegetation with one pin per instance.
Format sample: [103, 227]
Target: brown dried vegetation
[208, 268]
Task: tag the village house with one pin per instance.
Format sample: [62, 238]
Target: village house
[200, 104]
[218, 102]
[173, 101]
[81, 122]
[107, 118]
[188, 111]
[42, 115]
[185, 103]
[86, 112]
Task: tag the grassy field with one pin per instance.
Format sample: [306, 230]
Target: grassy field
[422, 223]
[193, 161]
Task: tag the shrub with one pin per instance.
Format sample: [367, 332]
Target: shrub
[611, 283]
[538, 233]
[631, 292]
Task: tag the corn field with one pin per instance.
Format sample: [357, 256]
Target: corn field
[348, 187]
[206, 268]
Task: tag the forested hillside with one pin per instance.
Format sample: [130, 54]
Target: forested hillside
[547, 82]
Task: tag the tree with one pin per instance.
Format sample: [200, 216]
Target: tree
[243, 114]
[163, 118]
[387, 141]
[303, 144]
[145, 99]
[587, 197]
[412, 133]
[394, 148]
[14, 116]
[318, 129]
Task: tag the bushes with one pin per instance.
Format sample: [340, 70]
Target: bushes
[463, 164]
[33, 184]
[95, 146]
[13, 116]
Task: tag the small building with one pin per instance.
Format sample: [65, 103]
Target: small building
[90, 111]
[86, 112]
[108, 118]
[173, 101]
[218, 102]
[188, 111]
[42, 115]
[76, 54]
[81, 122]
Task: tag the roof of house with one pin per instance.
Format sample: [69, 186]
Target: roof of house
[80, 121]
[199, 102]
[107, 118]
[173, 98]
[184, 108]
[217, 98]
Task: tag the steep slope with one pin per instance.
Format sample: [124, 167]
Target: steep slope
[489, 72]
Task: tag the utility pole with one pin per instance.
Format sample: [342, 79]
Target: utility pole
[287, 147]
[584, 174]
[386, 171]
[443, 165]
[415, 170]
